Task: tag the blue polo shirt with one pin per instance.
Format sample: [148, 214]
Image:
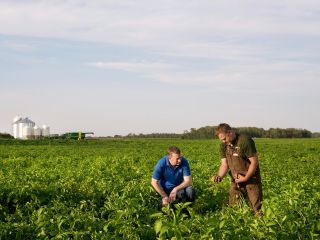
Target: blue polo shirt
[170, 177]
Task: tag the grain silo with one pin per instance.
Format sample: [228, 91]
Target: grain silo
[45, 131]
[18, 127]
[27, 132]
[15, 126]
[37, 131]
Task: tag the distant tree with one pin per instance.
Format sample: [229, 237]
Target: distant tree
[200, 133]
[316, 134]
[153, 135]
[5, 136]
[117, 136]
[288, 133]
[251, 131]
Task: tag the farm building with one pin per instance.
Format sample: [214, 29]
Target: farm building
[24, 128]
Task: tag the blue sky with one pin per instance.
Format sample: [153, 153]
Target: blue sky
[119, 67]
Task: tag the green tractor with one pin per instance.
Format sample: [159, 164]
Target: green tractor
[76, 135]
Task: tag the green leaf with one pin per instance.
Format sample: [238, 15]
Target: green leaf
[222, 223]
[157, 226]
[156, 215]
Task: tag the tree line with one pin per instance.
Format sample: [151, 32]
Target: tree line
[208, 132]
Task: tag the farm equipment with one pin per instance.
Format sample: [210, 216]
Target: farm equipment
[76, 135]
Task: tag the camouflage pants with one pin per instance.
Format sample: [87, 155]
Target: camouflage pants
[252, 192]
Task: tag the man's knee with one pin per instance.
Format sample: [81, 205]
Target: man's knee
[234, 195]
[254, 192]
[190, 193]
[187, 194]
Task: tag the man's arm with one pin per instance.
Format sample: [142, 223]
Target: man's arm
[223, 169]
[187, 181]
[254, 162]
[156, 185]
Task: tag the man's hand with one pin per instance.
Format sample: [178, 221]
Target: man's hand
[173, 195]
[240, 179]
[216, 179]
[165, 201]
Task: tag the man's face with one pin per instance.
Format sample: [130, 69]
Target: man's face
[175, 159]
[226, 138]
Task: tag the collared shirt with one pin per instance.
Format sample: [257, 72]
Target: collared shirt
[170, 176]
[244, 142]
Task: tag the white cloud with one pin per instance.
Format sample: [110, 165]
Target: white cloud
[156, 24]
[233, 33]
[135, 67]
[273, 77]
[17, 46]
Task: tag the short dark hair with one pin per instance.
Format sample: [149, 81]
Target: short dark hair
[222, 128]
[174, 149]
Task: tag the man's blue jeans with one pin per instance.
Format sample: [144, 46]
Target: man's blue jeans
[185, 195]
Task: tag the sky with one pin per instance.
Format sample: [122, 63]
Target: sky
[145, 66]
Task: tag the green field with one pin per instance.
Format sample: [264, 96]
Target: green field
[101, 190]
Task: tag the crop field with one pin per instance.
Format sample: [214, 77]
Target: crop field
[101, 190]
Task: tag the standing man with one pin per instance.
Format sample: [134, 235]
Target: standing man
[172, 179]
[239, 157]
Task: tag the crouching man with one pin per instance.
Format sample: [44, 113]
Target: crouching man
[172, 179]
